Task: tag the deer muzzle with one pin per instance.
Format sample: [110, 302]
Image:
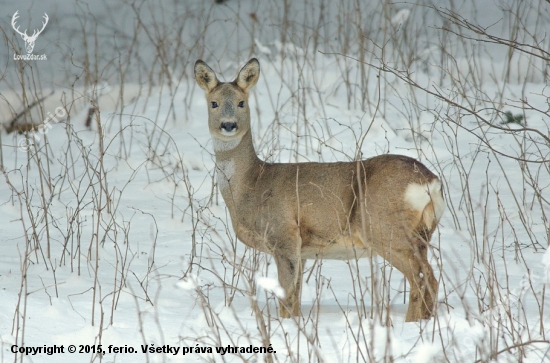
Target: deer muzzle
[228, 127]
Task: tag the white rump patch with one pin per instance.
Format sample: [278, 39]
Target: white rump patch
[419, 195]
[223, 145]
[225, 172]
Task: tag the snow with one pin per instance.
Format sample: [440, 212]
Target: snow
[271, 285]
[126, 242]
[400, 17]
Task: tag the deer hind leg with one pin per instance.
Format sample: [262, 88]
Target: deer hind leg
[411, 259]
[413, 263]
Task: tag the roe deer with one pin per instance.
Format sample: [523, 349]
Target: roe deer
[389, 205]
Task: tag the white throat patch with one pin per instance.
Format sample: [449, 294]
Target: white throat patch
[224, 173]
[222, 145]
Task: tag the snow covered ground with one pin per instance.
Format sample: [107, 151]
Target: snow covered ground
[115, 238]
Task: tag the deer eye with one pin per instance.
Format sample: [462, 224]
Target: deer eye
[241, 104]
[214, 104]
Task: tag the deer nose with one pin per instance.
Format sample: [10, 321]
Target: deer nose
[229, 126]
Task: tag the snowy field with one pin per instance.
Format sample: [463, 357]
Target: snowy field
[115, 239]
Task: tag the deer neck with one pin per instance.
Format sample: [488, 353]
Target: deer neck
[236, 162]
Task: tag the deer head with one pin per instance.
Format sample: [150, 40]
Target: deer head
[29, 40]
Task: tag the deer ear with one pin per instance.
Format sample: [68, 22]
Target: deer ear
[205, 76]
[249, 74]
